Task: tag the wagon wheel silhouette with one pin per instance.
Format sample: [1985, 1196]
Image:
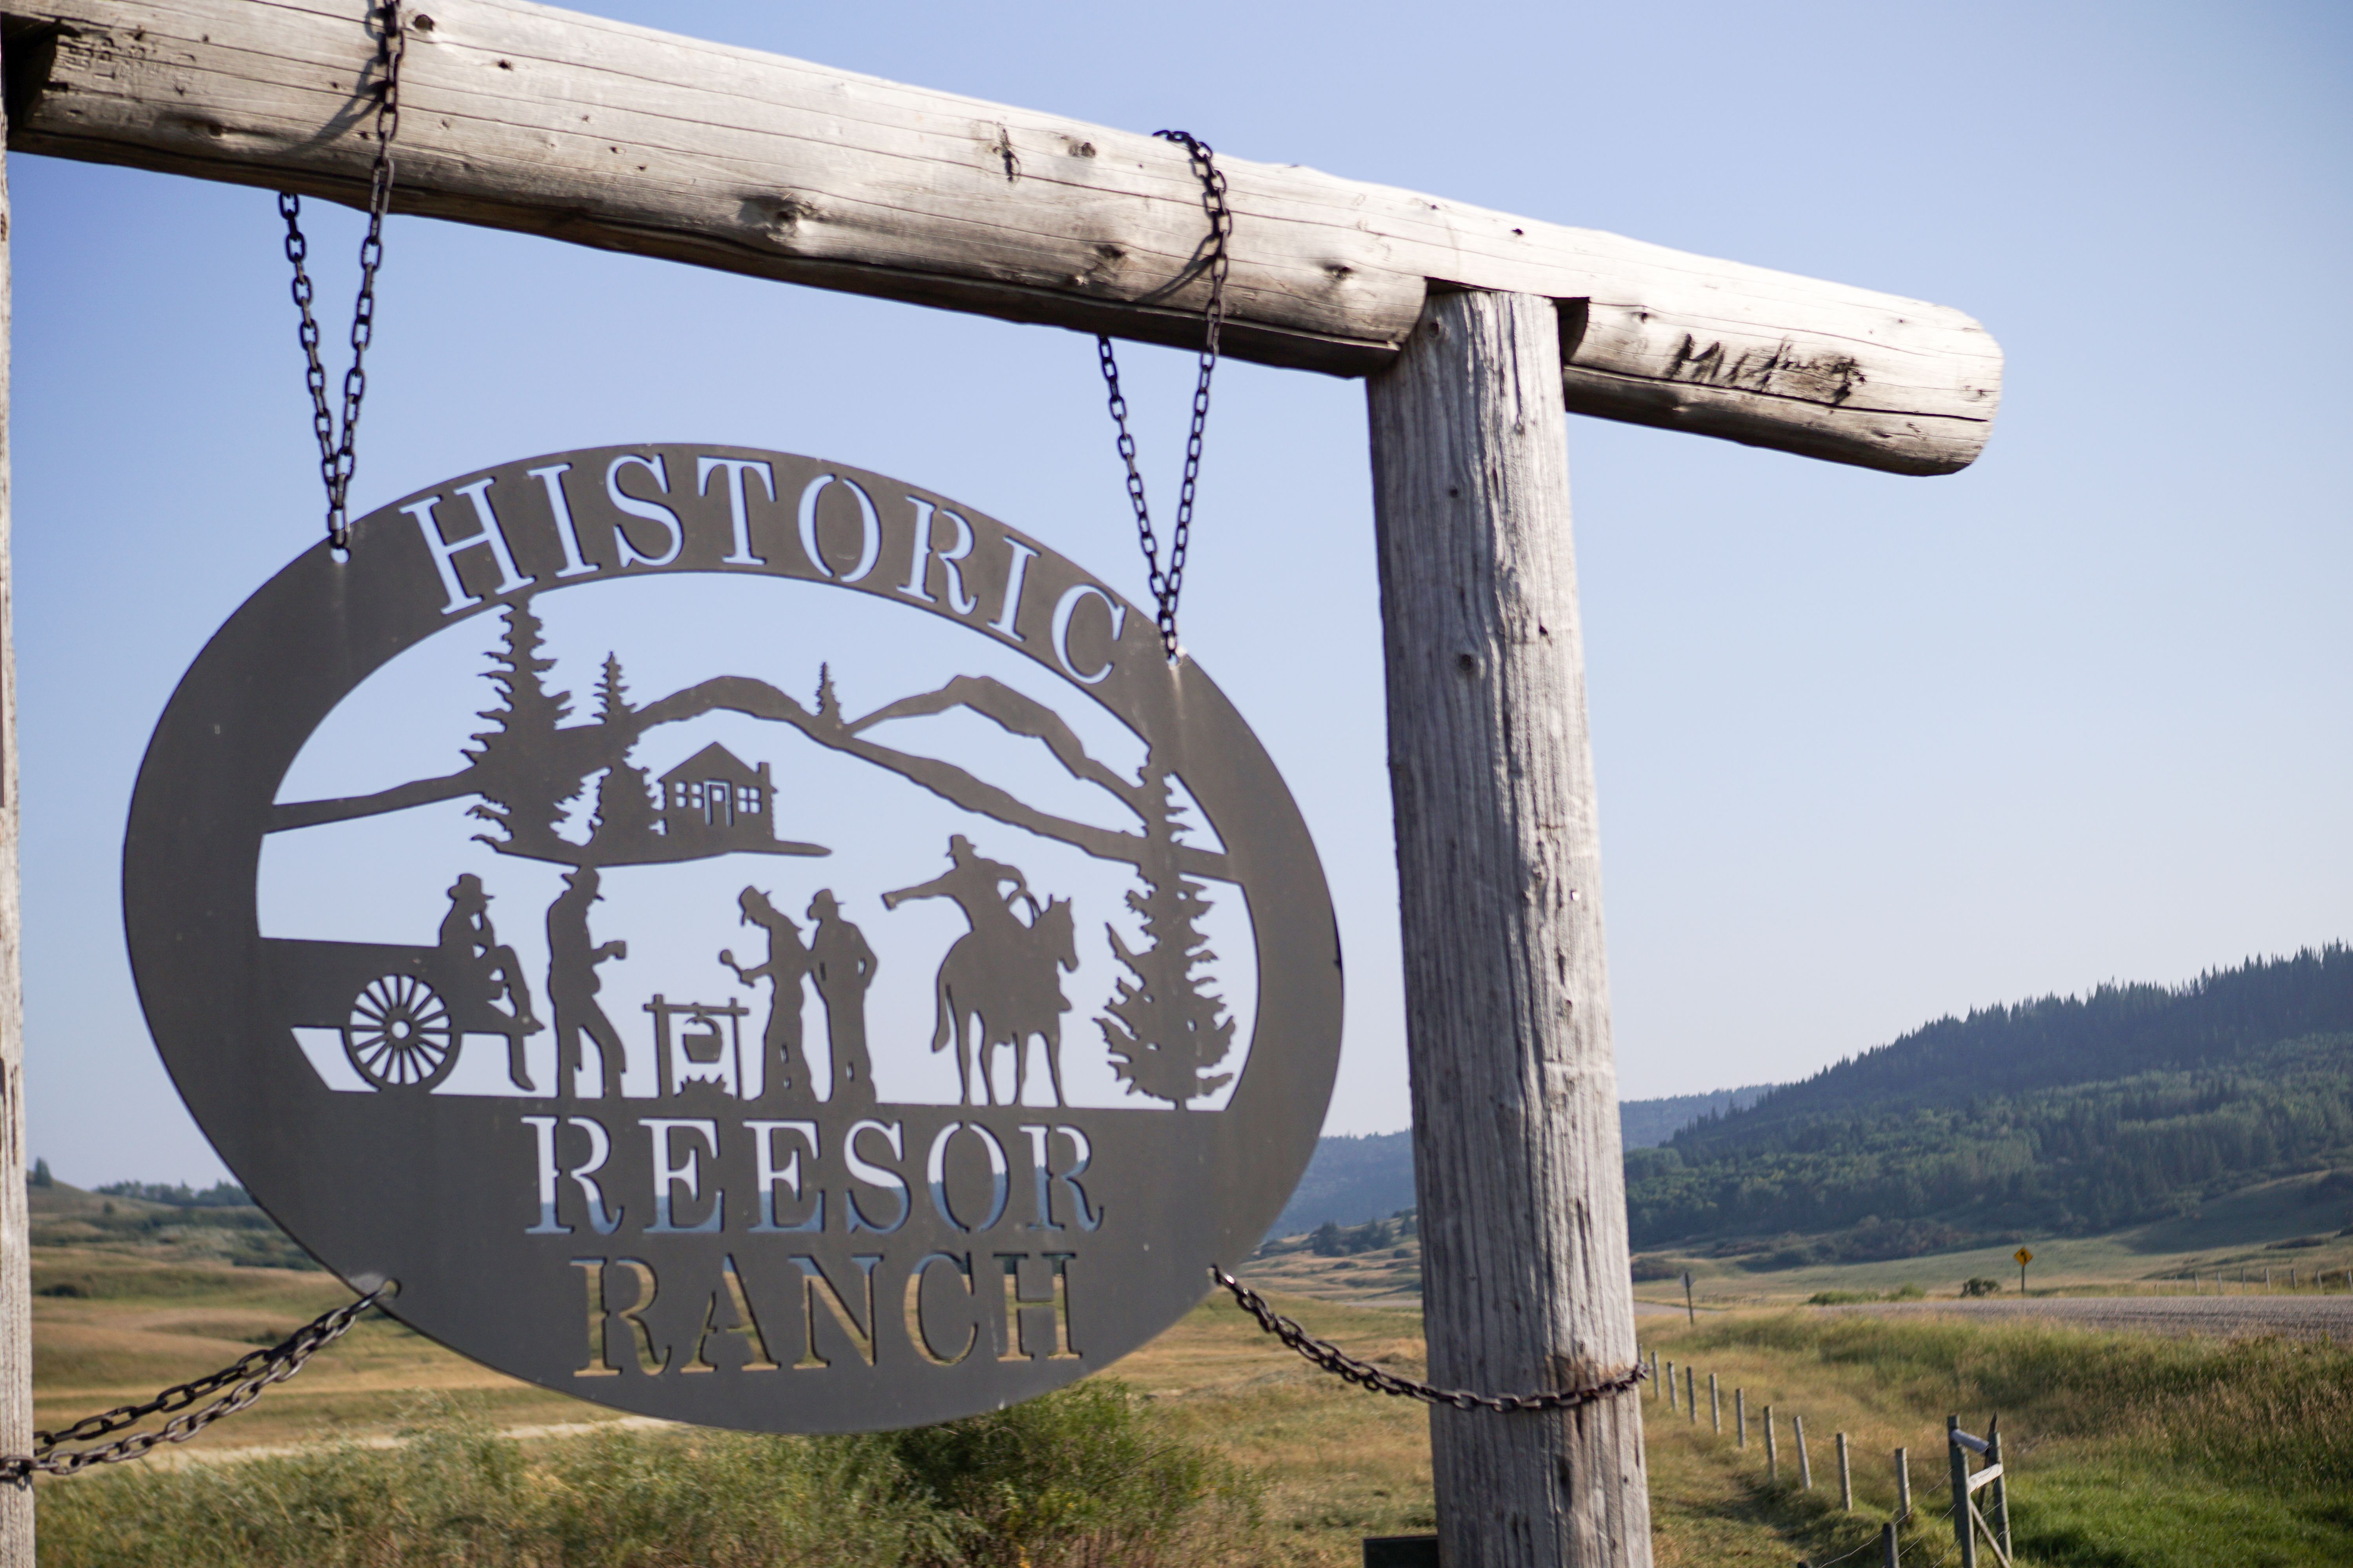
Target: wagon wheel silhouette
[400, 1035]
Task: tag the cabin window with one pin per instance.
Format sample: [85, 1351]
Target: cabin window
[747, 800]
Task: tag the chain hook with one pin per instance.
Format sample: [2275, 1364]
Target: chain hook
[338, 457]
[1210, 255]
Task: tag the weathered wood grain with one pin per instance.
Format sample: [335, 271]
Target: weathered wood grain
[591, 130]
[1517, 1167]
[15, 1222]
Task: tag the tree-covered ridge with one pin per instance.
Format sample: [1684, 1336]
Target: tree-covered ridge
[2080, 1159]
[2068, 1115]
[2117, 1031]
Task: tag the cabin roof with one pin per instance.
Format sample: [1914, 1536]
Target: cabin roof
[715, 761]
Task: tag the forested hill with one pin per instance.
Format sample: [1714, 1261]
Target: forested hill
[2068, 1114]
[2115, 1032]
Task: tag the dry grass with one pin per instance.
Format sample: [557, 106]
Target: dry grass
[2132, 1450]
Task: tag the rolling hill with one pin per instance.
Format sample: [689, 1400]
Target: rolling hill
[2066, 1115]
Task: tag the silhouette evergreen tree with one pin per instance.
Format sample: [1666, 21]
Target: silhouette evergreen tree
[625, 804]
[1167, 1030]
[523, 791]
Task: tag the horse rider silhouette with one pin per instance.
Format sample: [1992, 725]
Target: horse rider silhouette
[1001, 973]
[974, 881]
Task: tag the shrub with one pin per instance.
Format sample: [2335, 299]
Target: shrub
[1074, 1480]
[1980, 1287]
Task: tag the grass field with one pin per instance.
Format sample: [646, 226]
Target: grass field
[2127, 1450]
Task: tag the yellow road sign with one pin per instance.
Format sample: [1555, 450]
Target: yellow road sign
[2023, 1256]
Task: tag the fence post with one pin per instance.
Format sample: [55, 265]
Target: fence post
[1671, 1386]
[1805, 1465]
[1691, 1394]
[1887, 1553]
[1962, 1533]
[1740, 1416]
[1772, 1449]
[1846, 1478]
[2000, 1487]
[1903, 1483]
[1714, 1406]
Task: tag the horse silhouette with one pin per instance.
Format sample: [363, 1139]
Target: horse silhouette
[1011, 989]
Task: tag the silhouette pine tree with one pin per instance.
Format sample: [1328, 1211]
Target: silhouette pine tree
[624, 805]
[517, 756]
[1167, 1030]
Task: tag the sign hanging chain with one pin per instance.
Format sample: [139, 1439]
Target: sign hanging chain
[1210, 255]
[337, 459]
[1364, 1374]
[245, 1379]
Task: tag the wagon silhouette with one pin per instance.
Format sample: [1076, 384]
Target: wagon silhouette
[403, 1012]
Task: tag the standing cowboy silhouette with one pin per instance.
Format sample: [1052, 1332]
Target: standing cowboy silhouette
[787, 961]
[573, 956]
[843, 966]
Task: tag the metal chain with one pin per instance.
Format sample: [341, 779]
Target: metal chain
[250, 1375]
[1364, 1374]
[1209, 255]
[337, 457]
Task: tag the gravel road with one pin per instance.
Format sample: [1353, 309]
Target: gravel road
[2303, 1317]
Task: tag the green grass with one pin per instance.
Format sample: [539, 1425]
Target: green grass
[2129, 1451]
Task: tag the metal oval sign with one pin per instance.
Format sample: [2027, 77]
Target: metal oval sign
[735, 937]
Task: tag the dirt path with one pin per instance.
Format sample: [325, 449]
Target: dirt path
[2302, 1317]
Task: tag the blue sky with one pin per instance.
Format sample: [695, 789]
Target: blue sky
[1870, 749]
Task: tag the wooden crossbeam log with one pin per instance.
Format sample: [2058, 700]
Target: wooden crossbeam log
[523, 117]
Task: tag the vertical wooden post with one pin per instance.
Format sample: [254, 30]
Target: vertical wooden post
[2000, 1487]
[15, 1255]
[1772, 1448]
[1517, 1157]
[1904, 1483]
[1714, 1406]
[1740, 1416]
[1691, 1394]
[1805, 1462]
[1671, 1387]
[1963, 1533]
[1888, 1556]
[1846, 1478]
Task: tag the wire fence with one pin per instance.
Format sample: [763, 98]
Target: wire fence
[1974, 1471]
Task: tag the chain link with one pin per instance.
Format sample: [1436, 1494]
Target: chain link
[1209, 256]
[337, 455]
[1364, 1374]
[245, 1379]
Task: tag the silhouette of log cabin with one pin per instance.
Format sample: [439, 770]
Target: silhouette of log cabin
[714, 802]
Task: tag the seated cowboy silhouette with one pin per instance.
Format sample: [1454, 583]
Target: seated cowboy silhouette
[471, 946]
